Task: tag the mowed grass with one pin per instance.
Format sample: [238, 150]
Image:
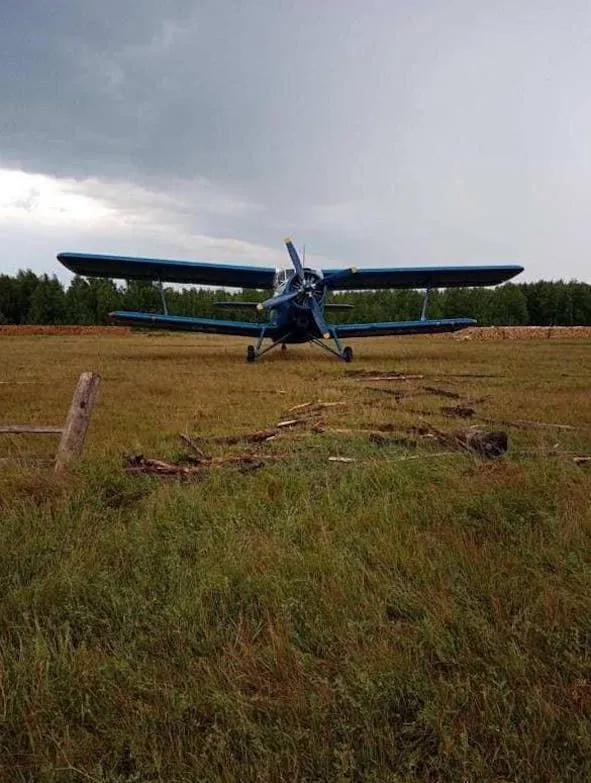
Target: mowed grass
[390, 619]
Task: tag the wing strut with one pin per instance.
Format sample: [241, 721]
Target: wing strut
[160, 287]
[425, 304]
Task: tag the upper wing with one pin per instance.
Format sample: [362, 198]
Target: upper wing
[420, 277]
[403, 327]
[91, 265]
[185, 324]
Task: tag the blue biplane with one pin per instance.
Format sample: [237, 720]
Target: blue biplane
[298, 304]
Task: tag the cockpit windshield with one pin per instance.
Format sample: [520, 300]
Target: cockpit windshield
[281, 278]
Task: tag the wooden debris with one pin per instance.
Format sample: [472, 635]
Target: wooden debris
[399, 395]
[582, 460]
[487, 444]
[190, 442]
[300, 407]
[382, 376]
[523, 424]
[30, 429]
[260, 436]
[442, 392]
[138, 464]
[389, 377]
[346, 460]
[288, 423]
[310, 407]
[458, 411]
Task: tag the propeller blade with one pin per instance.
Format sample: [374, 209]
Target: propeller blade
[295, 259]
[276, 301]
[330, 280]
[319, 319]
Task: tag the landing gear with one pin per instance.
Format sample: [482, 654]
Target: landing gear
[347, 354]
[283, 347]
[250, 354]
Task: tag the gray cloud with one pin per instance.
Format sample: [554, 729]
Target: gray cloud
[377, 132]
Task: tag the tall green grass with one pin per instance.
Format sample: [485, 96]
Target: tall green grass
[384, 620]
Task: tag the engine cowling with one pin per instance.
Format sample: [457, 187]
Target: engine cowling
[311, 286]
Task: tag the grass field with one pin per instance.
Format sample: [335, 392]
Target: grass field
[418, 614]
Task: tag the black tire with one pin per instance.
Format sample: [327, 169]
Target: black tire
[347, 354]
[250, 354]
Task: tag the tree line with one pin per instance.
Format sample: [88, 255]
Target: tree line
[27, 298]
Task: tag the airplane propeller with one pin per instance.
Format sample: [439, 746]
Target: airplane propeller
[295, 259]
[310, 292]
[275, 301]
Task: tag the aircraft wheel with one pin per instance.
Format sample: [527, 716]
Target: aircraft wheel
[283, 347]
[250, 354]
[347, 354]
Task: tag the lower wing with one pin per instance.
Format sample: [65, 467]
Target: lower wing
[182, 323]
[403, 327]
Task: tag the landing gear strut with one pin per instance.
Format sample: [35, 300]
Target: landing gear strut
[254, 351]
[345, 353]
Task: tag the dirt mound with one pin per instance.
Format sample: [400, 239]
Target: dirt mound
[523, 333]
[32, 329]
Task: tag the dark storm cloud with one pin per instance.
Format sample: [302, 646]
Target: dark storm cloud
[377, 131]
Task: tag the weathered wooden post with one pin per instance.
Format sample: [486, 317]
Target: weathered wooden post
[74, 431]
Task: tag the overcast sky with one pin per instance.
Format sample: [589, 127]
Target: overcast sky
[377, 132]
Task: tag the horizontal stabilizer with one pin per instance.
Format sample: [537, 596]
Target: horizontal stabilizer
[181, 323]
[403, 327]
[420, 277]
[166, 271]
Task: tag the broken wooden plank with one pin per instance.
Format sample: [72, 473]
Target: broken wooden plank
[30, 429]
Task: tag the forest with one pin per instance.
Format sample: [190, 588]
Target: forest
[27, 298]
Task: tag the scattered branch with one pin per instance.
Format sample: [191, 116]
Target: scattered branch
[190, 442]
[309, 407]
[523, 424]
[442, 392]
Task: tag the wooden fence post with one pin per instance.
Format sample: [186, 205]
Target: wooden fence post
[74, 431]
